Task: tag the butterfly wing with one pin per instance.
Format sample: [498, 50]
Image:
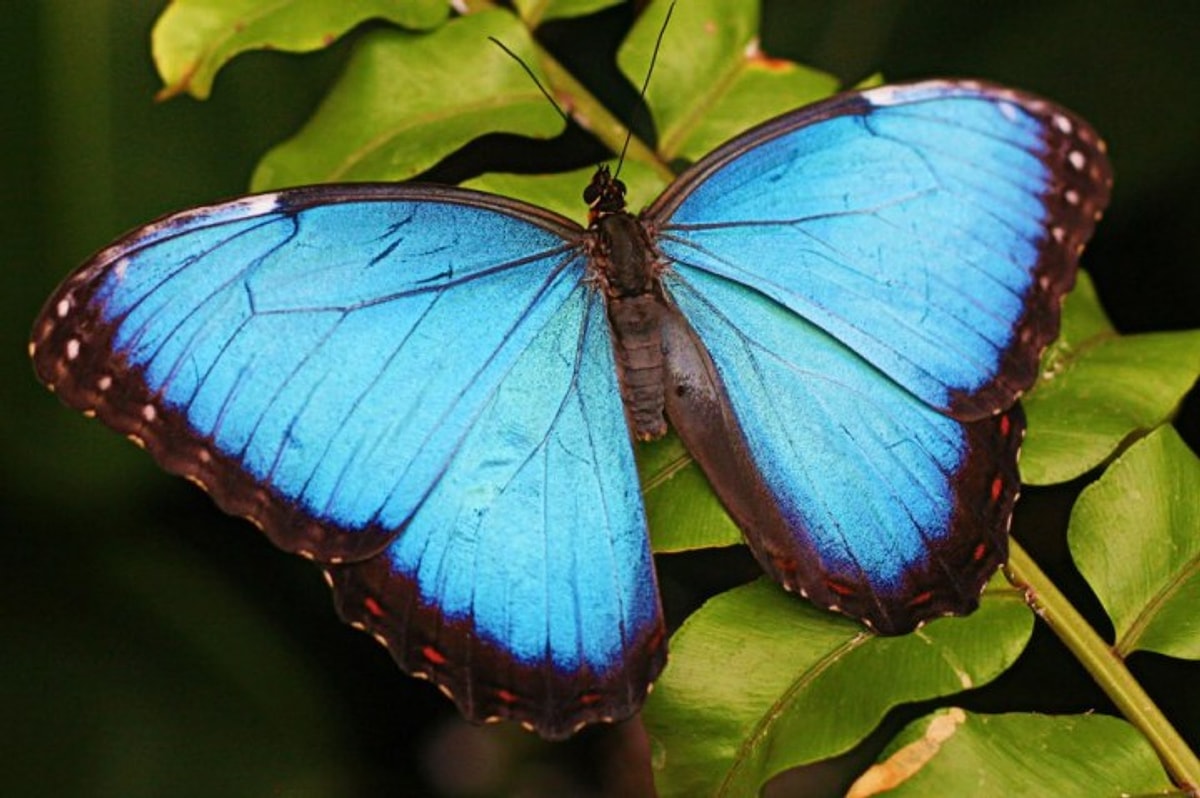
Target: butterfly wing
[932, 227]
[873, 279]
[373, 374]
[523, 584]
[847, 489]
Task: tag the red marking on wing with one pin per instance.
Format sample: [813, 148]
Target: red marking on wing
[997, 488]
[786, 566]
[655, 640]
[433, 655]
[841, 588]
[373, 607]
[588, 699]
[921, 598]
[1005, 425]
[506, 696]
[980, 552]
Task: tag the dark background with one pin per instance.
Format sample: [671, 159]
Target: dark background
[149, 645]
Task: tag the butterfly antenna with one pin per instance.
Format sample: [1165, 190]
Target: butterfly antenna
[646, 83]
[532, 77]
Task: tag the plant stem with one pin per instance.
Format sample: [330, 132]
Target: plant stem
[1105, 666]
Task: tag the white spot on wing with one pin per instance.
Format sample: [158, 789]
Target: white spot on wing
[1076, 159]
[72, 349]
[63, 307]
[259, 204]
[104, 383]
[1009, 111]
[1062, 123]
[888, 95]
[1071, 196]
[149, 413]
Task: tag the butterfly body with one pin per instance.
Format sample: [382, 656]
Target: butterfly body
[626, 265]
[435, 393]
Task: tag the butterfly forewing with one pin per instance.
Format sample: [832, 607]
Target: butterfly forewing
[933, 228]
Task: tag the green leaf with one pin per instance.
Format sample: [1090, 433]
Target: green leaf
[193, 39]
[953, 752]
[755, 671]
[1099, 388]
[1135, 536]
[534, 12]
[683, 511]
[402, 104]
[711, 80]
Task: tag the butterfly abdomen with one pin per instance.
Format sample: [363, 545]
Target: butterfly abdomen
[637, 343]
[626, 266]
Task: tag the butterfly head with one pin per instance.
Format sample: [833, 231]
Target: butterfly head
[604, 195]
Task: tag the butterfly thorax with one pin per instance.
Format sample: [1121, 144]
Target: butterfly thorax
[625, 265]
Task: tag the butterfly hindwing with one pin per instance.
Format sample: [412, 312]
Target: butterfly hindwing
[410, 380]
[848, 489]
[529, 563]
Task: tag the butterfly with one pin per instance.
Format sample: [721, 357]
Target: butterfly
[436, 393]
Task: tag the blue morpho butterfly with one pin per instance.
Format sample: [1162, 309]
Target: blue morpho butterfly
[434, 392]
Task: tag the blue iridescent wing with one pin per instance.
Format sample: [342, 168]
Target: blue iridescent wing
[848, 490]
[931, 227]
[874, 278]
[412, 386]
[544, 581]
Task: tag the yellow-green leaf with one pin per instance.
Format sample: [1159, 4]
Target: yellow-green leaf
[711, 80]
[954, 752]
[402, 104]
[1099, 388]
[1135, 536]
[759, 681]
[194, 39]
